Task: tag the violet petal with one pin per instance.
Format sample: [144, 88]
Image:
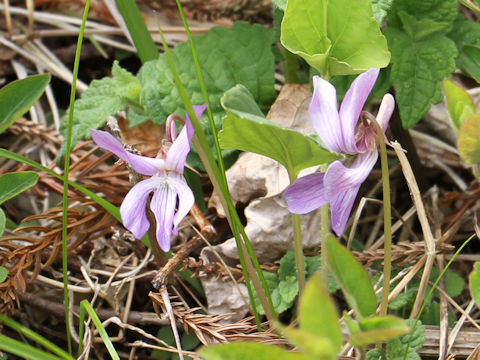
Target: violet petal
[339, 178]
[340, 208]
[306, 194]
[141, 164]
[186, 199]
[132, 210]
[324, 114]
[352, 106]
[163, 205]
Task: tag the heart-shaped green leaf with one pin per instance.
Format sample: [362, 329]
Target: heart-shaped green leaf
[19, 96]
[474, 283]
[245, 128]
[469, 139]
[459, 103]
[337, 37]
[318, 315]
[12, 184]
[3, 274]
[318, 347]
[352, 278]
[248, 350]
[377, 329]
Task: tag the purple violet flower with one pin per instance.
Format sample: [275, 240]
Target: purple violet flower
[172, 198]
[339, 185]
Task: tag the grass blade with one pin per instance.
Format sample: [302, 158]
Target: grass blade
[146, 48]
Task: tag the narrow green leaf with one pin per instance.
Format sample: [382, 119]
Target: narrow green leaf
[474, 283]
[378, 329]
[142, 39]
[3, 222]
[3, 274]
[246, 129]
[23, 350]
[12, 184]
[112, 209]
[314, 345]
[18, 97]
[248, 350]
[337, 37]
[101, 330]
[320, 320]
[33, 336]
[459, 103]
[469, 139]
[352, 278]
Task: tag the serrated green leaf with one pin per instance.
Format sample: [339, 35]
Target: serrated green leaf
[416, 338]
[469, 139]
[403, 299]
[352, 278]
[317, 313]
[337, 37]
[380, 9]
[474, 283]
[3, 221]
[417, 72]
[471, 61]
[245, 129]
[434, 10]
[3, 274]
[465, 33]
[459, 103]
[378, 329]
[12, 184]
[316, 346]
[420, 29]
[288, 289]
[287, 265]
[17, 98]
[375, 354]
[103, 98]
[239, 55]
[395, 351]
[248, 350]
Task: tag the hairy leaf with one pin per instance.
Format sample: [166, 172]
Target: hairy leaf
[417, 72]
[380, 9]
[466, 34]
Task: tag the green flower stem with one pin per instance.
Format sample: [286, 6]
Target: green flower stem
[65, 177]
[325, 232]
[297, 239]
[387, 223]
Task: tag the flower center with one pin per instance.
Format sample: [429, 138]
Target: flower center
[366, 135]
